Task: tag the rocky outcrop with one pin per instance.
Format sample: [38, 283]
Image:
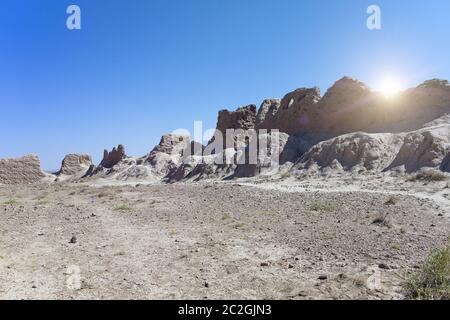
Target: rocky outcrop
[277, 151]
[110, 159]
[243, 118]
[352, 152]
[23, 170]
[339, 111]
[75, 164]
[428, 147]
[445, 165]
[265, 119]
[420, 105]
[350, 120]
[351, 128]
[297, 112]
[209, 167]
[347, 107]
[177, 145]
[350, 106]
[423, 149]
[158, 165]
[171, 152]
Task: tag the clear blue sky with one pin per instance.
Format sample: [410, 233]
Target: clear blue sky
[141, 68]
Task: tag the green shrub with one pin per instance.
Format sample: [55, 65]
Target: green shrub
[432, 281]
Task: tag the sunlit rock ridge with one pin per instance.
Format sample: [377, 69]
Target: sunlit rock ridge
[351, 128]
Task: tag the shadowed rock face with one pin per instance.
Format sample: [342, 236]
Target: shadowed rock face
[265, 118]
[423, 149]
[21, 170]
[297, 112]
[73, 164]
[350, 106]
[243, 118]
[110, 159]
[304, 111]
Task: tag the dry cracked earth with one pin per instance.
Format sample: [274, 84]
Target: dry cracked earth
[210, 241]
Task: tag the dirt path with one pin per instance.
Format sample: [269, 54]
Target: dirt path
[208, 241]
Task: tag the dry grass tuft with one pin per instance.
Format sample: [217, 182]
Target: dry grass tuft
[122, 208]
[428, 176]
[322, 207]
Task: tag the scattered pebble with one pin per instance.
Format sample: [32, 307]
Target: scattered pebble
[383, 266]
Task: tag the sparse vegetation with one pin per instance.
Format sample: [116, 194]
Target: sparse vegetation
[318, 206]
[432, 281]
[382, 219]
[10, 202]
[391, 201]
[428, 175]
[360, 281]
[122, 208]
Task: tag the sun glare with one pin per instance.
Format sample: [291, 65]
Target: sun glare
[390, 87]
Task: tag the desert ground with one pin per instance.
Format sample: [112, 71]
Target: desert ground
[218, 240]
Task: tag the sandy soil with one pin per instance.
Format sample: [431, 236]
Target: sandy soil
[212, 240]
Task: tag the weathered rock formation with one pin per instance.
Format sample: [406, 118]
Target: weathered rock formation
[351, 128]
[243, 118]
[350, 106]
[171, 153]
[266, 113]
[297, 112]
[74, 164]
[21, 170]
[242, 121]
[110, 159]
[272, 151]
[352, 152]
[423, 149]
[428, 147]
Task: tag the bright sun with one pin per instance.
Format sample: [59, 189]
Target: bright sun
[390, 87]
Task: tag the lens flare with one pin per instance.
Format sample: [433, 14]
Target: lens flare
[390, 87]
